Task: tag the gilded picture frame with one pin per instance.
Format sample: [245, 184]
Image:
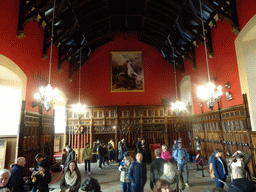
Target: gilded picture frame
[126, 71]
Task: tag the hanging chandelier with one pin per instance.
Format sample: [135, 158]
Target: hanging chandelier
[208, 92]
[47, 96]
[79, 108]
[178, 106]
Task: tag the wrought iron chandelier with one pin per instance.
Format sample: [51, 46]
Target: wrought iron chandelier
[79, 108]
[208, 92]
[47, 96]
[178, 106]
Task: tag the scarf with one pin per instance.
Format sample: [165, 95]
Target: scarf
[71, 178]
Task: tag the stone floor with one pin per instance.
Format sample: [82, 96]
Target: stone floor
[108, 178]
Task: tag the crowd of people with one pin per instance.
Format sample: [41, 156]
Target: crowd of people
[163, 175]
[166, 170]
[40, 178]
[236, 167]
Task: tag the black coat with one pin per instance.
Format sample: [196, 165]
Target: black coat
[137, 173]
[42, 183]
[45, 164]
[156, 171]
[100, 151]
[243, 184]
[16, 179]
[138, 147]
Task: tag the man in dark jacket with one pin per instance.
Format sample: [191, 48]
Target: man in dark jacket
[71, 155]
[138, 146]
[41, 162]
[240, 183]
[156, 168]
[17, 180]
[138, 174]
[100, 154]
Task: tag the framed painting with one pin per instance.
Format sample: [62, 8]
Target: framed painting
[126, 71]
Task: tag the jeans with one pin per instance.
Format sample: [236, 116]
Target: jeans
[183, 167]
[218, 184]
[100, 162]
[126, 187]
[105, 159]
[111, 155]
[87, 162]
[137, 189]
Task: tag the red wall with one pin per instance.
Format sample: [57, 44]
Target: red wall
[27, 52]
[158, 74]
[223, 66]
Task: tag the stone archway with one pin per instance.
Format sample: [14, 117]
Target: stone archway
[245, 44]
[20, 75]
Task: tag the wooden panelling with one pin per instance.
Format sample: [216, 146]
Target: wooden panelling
[155, 124]
[228, 129]
[36, 135]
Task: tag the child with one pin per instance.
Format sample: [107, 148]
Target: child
[165, 154]
[40, 179]
[124, 167]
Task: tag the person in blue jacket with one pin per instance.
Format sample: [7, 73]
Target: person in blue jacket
[181, 156]
[137, 173]
[220, 168]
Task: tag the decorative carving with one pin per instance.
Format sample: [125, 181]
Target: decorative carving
[103, 129]
[78, 129]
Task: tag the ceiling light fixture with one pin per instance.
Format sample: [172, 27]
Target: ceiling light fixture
[178, 106]
[208, 92]
[47, 96]
[79, 108]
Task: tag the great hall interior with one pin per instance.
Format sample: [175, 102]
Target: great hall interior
[128, 61]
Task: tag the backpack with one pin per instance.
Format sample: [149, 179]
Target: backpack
[211, 171]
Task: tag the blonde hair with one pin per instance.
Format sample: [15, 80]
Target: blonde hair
[142, 141]
[164, 146]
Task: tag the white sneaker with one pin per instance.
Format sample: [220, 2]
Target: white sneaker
[186, 184]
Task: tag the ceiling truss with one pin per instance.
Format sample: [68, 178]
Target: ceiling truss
[163, 24]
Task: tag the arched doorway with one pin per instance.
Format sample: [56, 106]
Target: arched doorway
[13, 88]
[186, 93]
[245, 44]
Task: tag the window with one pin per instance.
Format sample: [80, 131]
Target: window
[60, 119]
[10, 102]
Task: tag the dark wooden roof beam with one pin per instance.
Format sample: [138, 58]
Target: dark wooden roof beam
[174, 12]
[225, 5]
[159, 23]
[153, 28]
[198, 36]
[232, 20]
